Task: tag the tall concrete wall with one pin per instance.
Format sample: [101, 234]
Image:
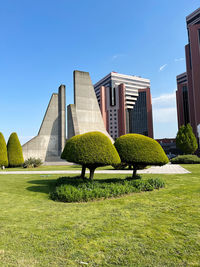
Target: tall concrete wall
[85, 115]
[50, 141]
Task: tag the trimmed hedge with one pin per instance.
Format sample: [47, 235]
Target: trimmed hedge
[3, 152]
[139, 151]
[91, 150]
[186, 159]
[15, 155]
[78, 190]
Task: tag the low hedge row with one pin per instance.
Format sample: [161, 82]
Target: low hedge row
[81, 190]
[186, 159]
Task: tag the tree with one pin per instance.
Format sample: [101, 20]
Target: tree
[91, 150]
[14, 149]
[3, 152]
[139, 151]
[186, 140]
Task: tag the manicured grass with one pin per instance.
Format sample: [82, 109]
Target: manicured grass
[54, 168]
[158, 228]
[45, 168]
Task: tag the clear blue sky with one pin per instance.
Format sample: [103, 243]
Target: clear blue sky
[42, 42]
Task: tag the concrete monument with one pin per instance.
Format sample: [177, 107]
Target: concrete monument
[84, 115]
[51, 138]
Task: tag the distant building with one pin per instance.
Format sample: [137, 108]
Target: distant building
[188, 84]
[169, 146]
[125, 103]
[182, 99]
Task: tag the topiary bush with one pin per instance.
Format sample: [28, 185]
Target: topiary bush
[14, 149]
[69, 189]
[3, 152]
[32, 163]
[186, 159]
[91, 150]
[139, 151]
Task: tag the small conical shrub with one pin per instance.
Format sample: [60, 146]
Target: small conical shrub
[186, 140]
[3, 152]
[14, 148]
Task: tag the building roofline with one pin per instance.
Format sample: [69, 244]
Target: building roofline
[193, 14]
[184, 74]
[119, 75]
[115, 74]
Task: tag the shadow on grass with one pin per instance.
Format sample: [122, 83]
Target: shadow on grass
[42, 186]
[76, 180]
[48, 185]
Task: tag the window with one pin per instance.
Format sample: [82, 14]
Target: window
[112, 96]
[190, 57]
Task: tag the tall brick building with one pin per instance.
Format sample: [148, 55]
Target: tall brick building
[188, 83]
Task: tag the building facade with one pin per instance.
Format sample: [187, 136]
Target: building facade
[188, 84]
[182, 99]
[125, 104]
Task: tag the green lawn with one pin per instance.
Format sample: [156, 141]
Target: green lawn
[54, 168]
[159, 228]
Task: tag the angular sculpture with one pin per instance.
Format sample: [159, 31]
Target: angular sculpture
[50, 141]
[84, 115]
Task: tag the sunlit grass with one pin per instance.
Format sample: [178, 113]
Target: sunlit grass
[159, 228]
[54, 168]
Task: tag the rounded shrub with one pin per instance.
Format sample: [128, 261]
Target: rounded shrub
[139, 151]
[14, 149]
[186, 159]
[3, 152]
[91, 150]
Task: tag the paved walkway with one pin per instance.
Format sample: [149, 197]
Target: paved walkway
[166, 169]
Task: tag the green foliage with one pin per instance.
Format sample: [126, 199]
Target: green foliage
[186, 159]
[91, 150]
[32, 163]
[120, 166]
[186, 140]
[3, 152]
[14, 149]
[139, 151]
[79, 190]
